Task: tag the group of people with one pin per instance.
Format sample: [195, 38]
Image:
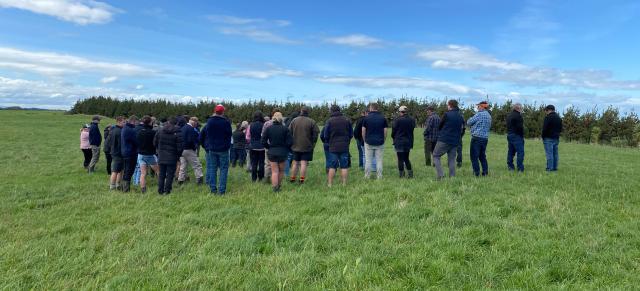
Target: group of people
[279, 147]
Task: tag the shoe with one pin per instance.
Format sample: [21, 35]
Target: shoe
[459, 165]
[410, 174]
[401, 174]
[160, 192]
[126, 186]
[199, 181]
[143, 190]
[276, 189]
[118, 187]
[112, 187]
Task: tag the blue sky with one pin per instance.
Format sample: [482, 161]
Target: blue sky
[581, 53]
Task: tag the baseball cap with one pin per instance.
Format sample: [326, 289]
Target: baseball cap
[403, 108]
[219, 108]
[550, 107]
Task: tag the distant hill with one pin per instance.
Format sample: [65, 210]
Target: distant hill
[20, 108]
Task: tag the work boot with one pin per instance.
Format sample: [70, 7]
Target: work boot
[126, 186]
[199, 181]
[410, 174]
[401, 173]
[112, 187]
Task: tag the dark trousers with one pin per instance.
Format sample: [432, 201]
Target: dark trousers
[459, 154]
[403, 160]
[109, 158]
[257, 165]
[516, 148]
[428, 151]
[87, 157]
[129, 168]
[478, 155]
[360, 145]
[238, 156]
[165, 178]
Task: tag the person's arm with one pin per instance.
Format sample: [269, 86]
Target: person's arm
[386, 125]
[155, 140]
[443, 120]
[350, 130]
[472, 120]
[315, 133]
[394, 129]
[179, 145]
[247, 133]
[265, 139]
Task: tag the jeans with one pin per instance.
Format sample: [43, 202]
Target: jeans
[215, 161]
[129, 167]
[403, 160]
[239, 157]
[287, 164]
[516, 147]
[360, 145]
[371, 153]
[478, 155]
[440, 150]
[165, 178]
[551, 151]
[257, 165]
[428, 151]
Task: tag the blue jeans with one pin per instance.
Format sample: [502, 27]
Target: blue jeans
[551, 151]
[327, 157]
[215, 161]
[360, 145]
[516, 147]
[287, 164]
[478, 155]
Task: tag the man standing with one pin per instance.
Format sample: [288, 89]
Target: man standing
[515, 138]
[430, 134]
[459, 148]
[218, 133]
[267, 163]
[338, 133]
[117, 164]
[146, 151]
[305, 133]
[551, 130]
[190, 142]
[129, 152]
[357, 134]
[107, 147]
[402, 135]
[449, 132]
[374, 131]
[168, 143]
[480, 125]
[95, 139]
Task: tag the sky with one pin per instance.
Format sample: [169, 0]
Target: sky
[567, 53]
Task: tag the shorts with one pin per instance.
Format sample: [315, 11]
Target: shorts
[276, 158]
[338, 160]
[302, 156]
[147, 160]
[117, 164]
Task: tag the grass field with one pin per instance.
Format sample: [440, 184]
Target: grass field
[60, 228]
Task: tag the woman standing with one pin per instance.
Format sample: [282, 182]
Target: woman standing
[277, 139]
[85, 146]
[168, 143]
[254, 138]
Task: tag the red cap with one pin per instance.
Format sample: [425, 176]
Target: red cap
[219, 109]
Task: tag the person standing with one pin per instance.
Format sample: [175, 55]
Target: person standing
[95, 139]
[190, 142]
[168, 143]
[357, 135]
[286, 123]
[305, 134]
[338, 133]
[85, 145]
[267, 124]
[129, 152]
[449, 132]
[480, 124]
[253, 137]
[239, 144]
[551, 129]
[515, 138]
[218, 135]
[107, 147]
[402, 135]
[459, 148]
[146, 151]
[374, 131]
[430, 135]
[277, 139]
[117, 164]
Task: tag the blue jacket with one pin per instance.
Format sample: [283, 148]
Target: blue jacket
[95, 137]
[450, 129]
[480, 124]
[129, 141]
[375, 124]
[216, 135]
[190, 137]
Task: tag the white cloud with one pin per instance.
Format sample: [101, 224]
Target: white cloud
[107, 80]
[48, 63]
[257, 34]
[257, 29]
[234, 20]
[139, 87]
[77, 11]
[402, 82]
[465, 58]
[263, 74]
[355, 40]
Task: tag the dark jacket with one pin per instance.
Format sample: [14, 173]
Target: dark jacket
[357, 130]
[515, 123]
[239, 140]
[95, 138]
[255, 135]
[277, 139]
[107, 140]
[305, 134]
[144, 138]
[337, 132]
[217, 134]
[402, 132]
[168, 143]
[552, 126]
[116, 141]
[374, 123]
[129, 143]
[190, 137]
[450, 129]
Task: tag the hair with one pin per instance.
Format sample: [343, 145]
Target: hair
[277, 117]
[430, 108]
[173, 120]
[120, 118]
[258, 116]
[453, 103]
[517, 106]
[304, 110]
[193, 118]
[275, 110]
[335, 108]
[373, 106]
[163, 120]
[133, 118]
[146, 120]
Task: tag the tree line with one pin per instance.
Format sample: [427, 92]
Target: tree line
[608, 127]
